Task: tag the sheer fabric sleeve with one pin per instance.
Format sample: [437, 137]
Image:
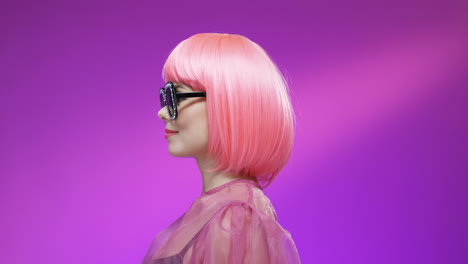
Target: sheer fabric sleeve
[238, 233]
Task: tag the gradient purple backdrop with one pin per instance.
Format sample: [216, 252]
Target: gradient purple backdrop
[378, 172]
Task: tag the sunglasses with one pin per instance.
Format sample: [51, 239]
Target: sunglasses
[169, 98]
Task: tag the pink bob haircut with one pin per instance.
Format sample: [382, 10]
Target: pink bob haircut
[250, 116]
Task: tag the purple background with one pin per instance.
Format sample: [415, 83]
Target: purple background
[378, 172]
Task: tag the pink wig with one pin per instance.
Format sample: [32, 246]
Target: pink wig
[250, 117]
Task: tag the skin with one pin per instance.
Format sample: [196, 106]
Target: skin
[192, 137]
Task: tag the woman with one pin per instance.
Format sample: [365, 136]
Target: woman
[226, 104]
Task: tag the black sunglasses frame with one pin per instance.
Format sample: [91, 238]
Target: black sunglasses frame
[175, 98]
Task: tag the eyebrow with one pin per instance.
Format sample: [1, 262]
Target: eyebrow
[179, 86]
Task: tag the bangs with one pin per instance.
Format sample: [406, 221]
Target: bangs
[186, 63]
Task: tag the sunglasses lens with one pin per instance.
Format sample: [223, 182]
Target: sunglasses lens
[170, 103]
[161, 98]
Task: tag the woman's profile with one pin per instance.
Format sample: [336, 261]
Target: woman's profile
[226, 104]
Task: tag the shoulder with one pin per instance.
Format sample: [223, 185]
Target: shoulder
[239, 233]
[235, 216]
[241, 194]
[243, 219]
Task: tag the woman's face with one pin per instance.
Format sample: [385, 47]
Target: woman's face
[191, 124]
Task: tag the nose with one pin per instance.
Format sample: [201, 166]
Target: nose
[163, 114]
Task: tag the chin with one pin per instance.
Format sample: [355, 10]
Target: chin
[178, 153]
[184, 150]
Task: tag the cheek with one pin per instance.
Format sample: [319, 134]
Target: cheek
[192, 139]
[200, 128]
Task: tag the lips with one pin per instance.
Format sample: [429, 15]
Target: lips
[170, 133]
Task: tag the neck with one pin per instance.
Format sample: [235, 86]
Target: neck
[213, 179]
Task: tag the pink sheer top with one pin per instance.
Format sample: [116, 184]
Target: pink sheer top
[232, 223]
